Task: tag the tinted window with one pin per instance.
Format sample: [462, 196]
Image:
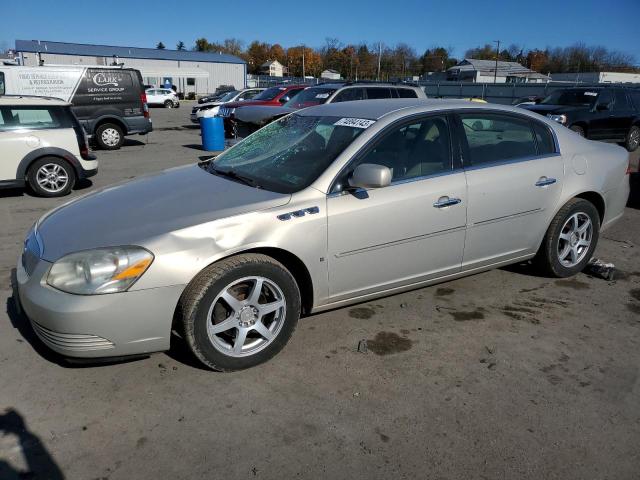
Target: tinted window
[605, 98]
[635, 98]
[407, 93]
[572, 96]
[191, 81]
[621, 100]
[1, 83]
[269, 93]
[349, 95]
[419, 149]
[376, 93]
[546, 145]
[495, 137]
[310, 96]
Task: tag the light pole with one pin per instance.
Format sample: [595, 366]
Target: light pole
[495, 72]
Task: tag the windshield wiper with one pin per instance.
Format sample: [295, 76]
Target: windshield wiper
[235, 176]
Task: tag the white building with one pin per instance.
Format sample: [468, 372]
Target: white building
[273, 68]
[596, 77]
[330, 74]
[191, 72]
[484, 71]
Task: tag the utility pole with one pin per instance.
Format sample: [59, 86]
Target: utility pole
[495, 72]
[379, 59]
[303, 71]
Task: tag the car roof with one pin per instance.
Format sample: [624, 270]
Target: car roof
[30, 100]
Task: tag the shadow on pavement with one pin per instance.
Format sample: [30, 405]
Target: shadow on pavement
[634, 196]
[40, 463]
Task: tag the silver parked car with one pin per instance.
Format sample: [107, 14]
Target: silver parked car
[328, 206]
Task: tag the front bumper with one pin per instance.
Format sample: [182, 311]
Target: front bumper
[94, 326]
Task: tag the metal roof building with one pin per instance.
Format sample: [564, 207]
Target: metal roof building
[191, 72]
[474, 70]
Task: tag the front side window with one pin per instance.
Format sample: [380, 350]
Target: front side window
[310, 97]
[419, 149]
[407, 93]
[635, 98]
[31, 118]
[572, 97]
[495, 137]
[349, 95]
[269, 93]
[287, 155]
[621, 100]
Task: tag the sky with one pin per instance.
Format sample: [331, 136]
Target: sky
[459, 24]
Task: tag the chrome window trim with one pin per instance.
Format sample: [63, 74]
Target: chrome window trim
[510, 161]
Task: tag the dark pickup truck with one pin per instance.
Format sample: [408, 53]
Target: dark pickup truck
[610, 114]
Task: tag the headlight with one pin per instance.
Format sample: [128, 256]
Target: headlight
[558, 118]
[99, 271]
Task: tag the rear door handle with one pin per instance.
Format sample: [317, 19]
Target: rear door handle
[446, 202]
[544, 181]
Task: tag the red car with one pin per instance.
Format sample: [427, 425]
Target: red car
[271, 97]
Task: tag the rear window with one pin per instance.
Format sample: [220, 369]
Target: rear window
[36, 117]
[407, 93]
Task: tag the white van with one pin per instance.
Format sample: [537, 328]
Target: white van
[109, 102]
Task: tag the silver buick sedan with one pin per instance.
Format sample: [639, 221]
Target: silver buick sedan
[329, 206]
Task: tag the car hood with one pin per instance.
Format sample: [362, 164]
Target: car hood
[208, 104]
[247, 103]
[137, 211]
[553, 109]
[258, 114]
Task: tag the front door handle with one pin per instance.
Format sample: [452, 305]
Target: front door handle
[545, 181]
[446, 202]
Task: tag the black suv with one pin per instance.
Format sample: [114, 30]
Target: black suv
[610, 114]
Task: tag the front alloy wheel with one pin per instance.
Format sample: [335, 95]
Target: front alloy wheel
[240, 311]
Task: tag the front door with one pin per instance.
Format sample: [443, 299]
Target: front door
[514, 179]
[407, 232]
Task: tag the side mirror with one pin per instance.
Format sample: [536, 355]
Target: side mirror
[284, 99]
[601, 107]
[369, 175]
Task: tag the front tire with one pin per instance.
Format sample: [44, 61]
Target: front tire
[109, 136]
[240, 312]
[570, 240]
[51, 177]
[632, 142]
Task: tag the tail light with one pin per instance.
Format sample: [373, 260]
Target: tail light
[83, 142]
[145, 107]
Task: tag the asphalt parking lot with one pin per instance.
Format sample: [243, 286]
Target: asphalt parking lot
[501, 375]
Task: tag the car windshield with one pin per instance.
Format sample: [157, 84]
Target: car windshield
[227, 96]
[576, 97]
[269, 93]
[310, 97]
[288, 155]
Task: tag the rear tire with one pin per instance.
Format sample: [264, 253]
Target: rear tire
[632, 142]
[51, 177]
[578, 129]
[570, 240]
[109, 136]
[240, 312]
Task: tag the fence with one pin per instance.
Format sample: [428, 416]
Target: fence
[255, 81]
[504, 93]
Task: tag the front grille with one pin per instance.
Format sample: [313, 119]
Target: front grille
[68, 341]
[224, 111]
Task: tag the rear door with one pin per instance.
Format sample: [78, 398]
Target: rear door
[622, 115]
[407, 232]
[601, 124]
[514, 178]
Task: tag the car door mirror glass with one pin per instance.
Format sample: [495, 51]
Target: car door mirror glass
[284, 99]
[369, 175]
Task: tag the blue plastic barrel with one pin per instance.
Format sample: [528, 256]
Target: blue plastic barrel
[212, 129]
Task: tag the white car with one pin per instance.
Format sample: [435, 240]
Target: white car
[162, 96]
[210, 109]
[42, 145]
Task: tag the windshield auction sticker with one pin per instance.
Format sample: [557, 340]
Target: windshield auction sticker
[355, 122]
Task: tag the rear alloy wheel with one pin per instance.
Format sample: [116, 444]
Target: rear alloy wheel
[51, 177]
[109, 136]
[632, 141]
[168, 104]
[578, 129]
[240, 311]
[570, 240]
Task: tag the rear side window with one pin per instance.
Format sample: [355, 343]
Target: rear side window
[31, 118]
[407, 93]
[635, 98]
[377, 93]
[546, 145]
[495, 138]
[349, 95]
[2, 83]
[621, 100]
